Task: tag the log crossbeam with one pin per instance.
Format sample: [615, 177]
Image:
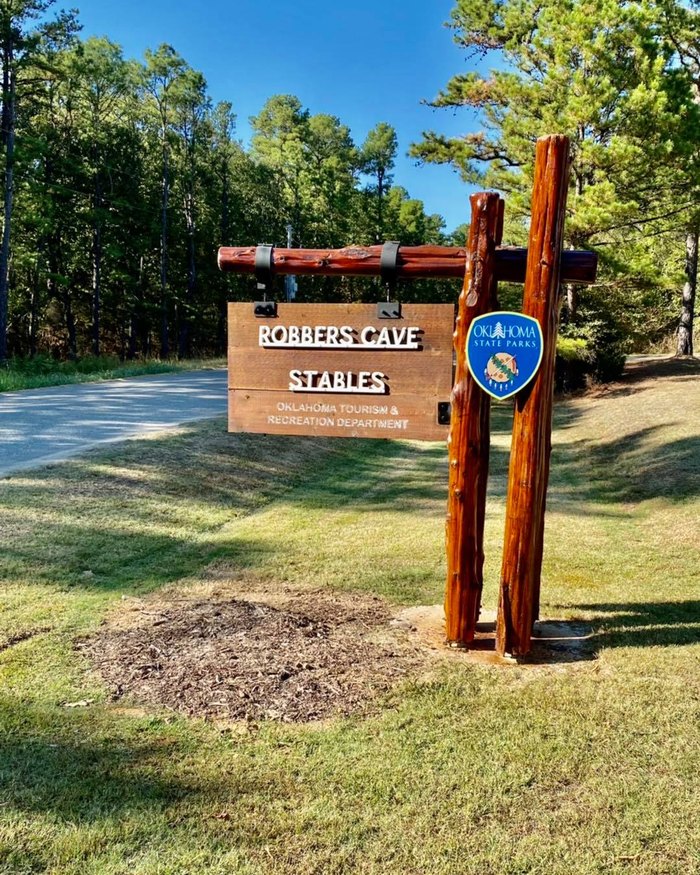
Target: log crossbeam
[414, 262]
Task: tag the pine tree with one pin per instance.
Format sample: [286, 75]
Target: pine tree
[602, 73]
[22, 41]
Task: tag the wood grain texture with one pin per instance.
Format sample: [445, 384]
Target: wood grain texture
[532, 424]
[406, 417]
[414, 262]
[253, 367]
[415, 380]
[469, 438]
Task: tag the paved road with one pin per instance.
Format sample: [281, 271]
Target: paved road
[46, 425]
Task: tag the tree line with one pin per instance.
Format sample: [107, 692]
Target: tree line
[121, 179]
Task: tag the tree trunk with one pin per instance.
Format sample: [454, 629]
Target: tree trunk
[133, 335]
[164, 332]
[225, 206]
[60, 292]
[380, 198]
[134, 317]
[34, 304]
[685, 329]
[8, 133]
[96, 264]
[70, 324]
[139, 325]
[224, 233]
[572, 292]
[222, 326]
[185, 332]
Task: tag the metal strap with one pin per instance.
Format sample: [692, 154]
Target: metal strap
[389, 263]
[264, 264]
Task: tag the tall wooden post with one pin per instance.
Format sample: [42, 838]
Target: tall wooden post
[468, 441]
[532, 424]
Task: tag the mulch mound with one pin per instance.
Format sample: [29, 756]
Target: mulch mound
[292, 657]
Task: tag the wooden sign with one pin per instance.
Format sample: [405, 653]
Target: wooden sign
[338, 370]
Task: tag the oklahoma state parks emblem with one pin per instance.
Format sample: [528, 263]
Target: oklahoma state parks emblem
[504, 352]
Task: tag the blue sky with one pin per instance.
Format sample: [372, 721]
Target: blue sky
[362, 61]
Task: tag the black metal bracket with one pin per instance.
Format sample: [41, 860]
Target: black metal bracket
[389, 272]
[389, 310]
[265, 309]
[264, 265]
[444, 412]
[389, 263]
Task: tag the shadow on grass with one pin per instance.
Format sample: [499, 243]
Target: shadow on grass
[633, 468]
[613, 625]
[175, 525]
[84, 782]
[148, 513]
[77, 774]
[376, 473]
[109, 560]
[639, 376]
[584, 475]
[644, 624]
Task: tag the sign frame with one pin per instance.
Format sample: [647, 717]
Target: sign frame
[370, 377]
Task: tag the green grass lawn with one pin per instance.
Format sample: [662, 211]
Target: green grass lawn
[589, 767]
[25, 373]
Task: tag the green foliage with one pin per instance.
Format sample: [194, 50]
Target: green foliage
[608, 75]
[311, 167]
[572, 349]
[376, 160]
[127, 179]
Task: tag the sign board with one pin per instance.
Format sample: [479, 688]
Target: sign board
[337, 370]
[504, 352]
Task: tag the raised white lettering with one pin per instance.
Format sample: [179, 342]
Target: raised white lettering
[364, 382]
[338, 337]
[378, 383]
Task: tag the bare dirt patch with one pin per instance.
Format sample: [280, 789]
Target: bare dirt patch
[554, 642]
[226, 652]
[290, 656]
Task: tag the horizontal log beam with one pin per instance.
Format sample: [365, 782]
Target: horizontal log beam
[429, 262]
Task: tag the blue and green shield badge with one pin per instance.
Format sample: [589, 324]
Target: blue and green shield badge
[504, 352]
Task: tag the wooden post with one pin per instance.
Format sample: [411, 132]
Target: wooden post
[468, 442]
[532, 424]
